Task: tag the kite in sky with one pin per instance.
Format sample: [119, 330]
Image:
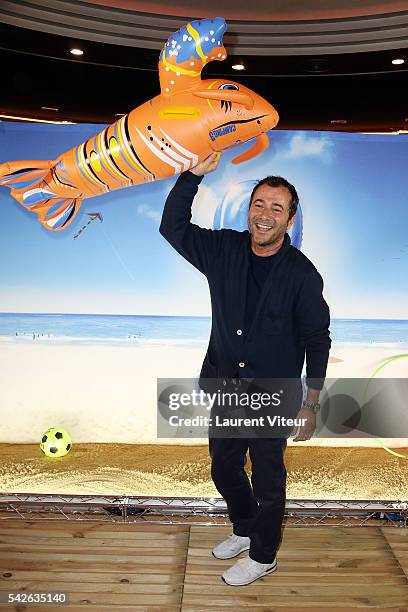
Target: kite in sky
[92, 217]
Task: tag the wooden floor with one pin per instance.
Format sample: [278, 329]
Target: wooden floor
[108, 567]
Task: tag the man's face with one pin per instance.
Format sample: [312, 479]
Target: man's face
[269, 213]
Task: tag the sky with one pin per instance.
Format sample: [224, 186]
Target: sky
[354, 201]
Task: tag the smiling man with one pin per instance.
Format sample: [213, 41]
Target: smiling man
[268, 315]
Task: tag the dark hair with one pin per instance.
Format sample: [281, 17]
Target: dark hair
[279, 181]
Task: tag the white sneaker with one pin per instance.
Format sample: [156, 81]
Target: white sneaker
[231, 547]
[247, 570]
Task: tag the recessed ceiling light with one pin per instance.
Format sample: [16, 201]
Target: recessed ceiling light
[76, 51]
[315, 65]
[398, 61]
[238, 67]
[49, 108]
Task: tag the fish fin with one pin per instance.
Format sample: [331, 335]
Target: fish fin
[22, 179]
[23, 170]
[261, 143]
[228, 95]
[54, 213]
[57, 214]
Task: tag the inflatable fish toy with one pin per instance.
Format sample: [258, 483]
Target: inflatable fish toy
[171, 133]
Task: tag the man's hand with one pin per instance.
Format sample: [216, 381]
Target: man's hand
[207, 165]
[304, 432]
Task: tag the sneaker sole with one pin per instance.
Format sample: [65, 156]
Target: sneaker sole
[270, 571]
[232, 556]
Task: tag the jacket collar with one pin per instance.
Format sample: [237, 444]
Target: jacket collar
[282, 251]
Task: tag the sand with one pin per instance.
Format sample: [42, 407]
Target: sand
[168, 470]
[107, 393]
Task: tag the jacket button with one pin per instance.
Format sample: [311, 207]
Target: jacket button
[241, 364]
[239, 332]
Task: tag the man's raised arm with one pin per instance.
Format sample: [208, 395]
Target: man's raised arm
[194, 243]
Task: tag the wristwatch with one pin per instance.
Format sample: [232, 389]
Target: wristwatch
[314, 407]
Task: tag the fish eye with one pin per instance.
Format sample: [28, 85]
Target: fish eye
[228, 86]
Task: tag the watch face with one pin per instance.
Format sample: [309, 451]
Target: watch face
[313, 407]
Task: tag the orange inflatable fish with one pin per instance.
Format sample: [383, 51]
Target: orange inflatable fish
[190, 119]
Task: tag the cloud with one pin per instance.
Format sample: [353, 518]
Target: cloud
[148, 211]
[204, 207]
[307, 146]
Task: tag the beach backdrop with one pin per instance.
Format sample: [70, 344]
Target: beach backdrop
[89, 322]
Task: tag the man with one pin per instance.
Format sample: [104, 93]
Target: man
[268, 313]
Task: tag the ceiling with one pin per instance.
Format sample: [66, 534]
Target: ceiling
[326, 66]
[325, 26]
[265, 9]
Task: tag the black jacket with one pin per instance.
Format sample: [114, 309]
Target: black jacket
[292, 318]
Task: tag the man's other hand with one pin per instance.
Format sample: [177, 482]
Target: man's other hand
[207, 165]
[304, 432]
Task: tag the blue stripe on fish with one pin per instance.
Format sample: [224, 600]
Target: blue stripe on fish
[64, 216]
[62, 170]
[37, 195]
[21, 184]
[13, 175]
[54, 207]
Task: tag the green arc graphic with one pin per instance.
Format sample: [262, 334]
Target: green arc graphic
[378, 369]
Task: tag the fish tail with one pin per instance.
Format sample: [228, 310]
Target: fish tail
[26, 181]
[25, 178]
[188, 50]
[56, 215]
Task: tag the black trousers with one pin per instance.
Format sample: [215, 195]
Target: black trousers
[255, 511]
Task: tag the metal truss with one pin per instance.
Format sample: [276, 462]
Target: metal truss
[195, 510]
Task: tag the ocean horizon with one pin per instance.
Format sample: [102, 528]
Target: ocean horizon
[156, 330]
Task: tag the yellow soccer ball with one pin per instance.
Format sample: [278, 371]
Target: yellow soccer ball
[55, 442]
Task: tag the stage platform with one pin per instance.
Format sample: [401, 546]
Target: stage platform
[131, 527]
[164, 568]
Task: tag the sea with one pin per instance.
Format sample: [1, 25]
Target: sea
[171, 330]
